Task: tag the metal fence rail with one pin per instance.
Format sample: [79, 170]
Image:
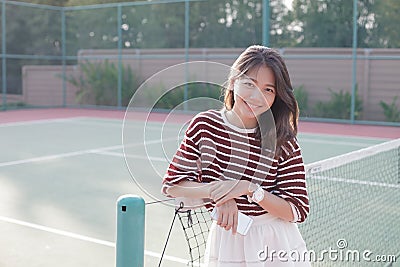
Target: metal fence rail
[67, 46]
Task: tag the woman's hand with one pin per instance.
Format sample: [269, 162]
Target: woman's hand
[228, 215]
[223, 191]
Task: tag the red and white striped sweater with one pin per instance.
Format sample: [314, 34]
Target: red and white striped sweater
[213, 149]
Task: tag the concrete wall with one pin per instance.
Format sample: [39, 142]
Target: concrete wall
[316, 69]
[43, 85]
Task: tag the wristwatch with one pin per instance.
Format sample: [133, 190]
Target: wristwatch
[257, 196]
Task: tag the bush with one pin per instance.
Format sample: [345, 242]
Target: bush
[339, 106]
[200, 93]
[98, 84]
[301, 96]
[13, 105]
[391, 111]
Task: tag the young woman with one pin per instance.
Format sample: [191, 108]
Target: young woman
[239, 160]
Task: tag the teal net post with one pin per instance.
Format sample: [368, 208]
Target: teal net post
[130, 231]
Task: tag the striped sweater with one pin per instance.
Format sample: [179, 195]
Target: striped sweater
[213, 149]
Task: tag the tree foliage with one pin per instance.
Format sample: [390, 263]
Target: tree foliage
[217, 23]
[98, 83]
[329, 23]
[73, 2]
[220, 23]
[384, 32]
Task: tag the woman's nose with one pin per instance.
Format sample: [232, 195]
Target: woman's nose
[256, 94]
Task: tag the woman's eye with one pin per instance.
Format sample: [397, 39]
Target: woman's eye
[269, 90]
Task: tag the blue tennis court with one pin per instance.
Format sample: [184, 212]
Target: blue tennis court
[60, 179]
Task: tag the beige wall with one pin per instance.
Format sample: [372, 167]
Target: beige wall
[378, 79]
[43, 85]
[12, 98]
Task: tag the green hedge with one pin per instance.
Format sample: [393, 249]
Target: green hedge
[337, 107]
[391, 111]
[98, 83]
[200, 96]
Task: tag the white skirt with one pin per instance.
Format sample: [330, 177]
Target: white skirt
[270, 241]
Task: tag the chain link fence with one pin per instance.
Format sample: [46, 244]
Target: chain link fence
[98, 55]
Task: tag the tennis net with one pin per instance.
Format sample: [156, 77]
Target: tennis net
[355, 206]
[355, 210]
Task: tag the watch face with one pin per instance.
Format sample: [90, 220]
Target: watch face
[258, 195]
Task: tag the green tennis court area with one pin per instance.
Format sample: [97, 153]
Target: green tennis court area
[60, 178]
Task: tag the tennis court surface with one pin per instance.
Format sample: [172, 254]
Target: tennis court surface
[62, 170]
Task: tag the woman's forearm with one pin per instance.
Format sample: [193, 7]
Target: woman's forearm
[190, 189]
[273, 204]
[277, 206]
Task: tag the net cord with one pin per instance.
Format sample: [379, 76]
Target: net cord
[337, 161]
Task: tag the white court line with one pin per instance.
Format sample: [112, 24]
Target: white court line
[77, 121]
[57, 231]
[115, 124]
[353, 181]
[333, 142]
[84, 238]
[343, 136]
[119, 125]
[57, 156]
[121, 155]
[77, 153]
[45, 121]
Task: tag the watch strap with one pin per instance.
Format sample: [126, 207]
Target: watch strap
[250, 198]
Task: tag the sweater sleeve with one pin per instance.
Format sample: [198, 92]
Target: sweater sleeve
[291, 180]
[186, 161]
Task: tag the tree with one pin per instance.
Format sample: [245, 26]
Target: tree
[73, 2]
[236, 23]
[25, 35]
[282, 30]
[154, 26]
[329, 23]
[384, 24]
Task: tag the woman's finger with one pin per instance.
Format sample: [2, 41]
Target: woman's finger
[235, 222]
[224, 221]
[229, 222]
[220, 217]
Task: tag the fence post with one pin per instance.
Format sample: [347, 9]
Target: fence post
[130, 231]
[63, 56]
[119, 85]
[187, 29]
[3, 52]
[265, 23]
[354, 66]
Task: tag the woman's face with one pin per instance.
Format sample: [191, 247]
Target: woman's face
[254, 94]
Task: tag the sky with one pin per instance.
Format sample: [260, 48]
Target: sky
[288, 3]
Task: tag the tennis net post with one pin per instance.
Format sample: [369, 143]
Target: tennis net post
[130, 231]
